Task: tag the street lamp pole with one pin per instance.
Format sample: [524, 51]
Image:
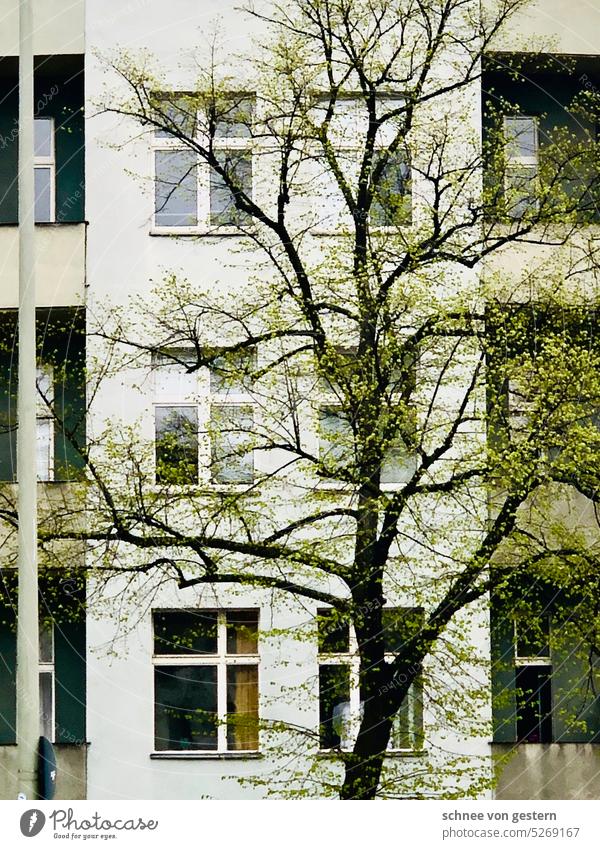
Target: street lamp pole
[28, 723]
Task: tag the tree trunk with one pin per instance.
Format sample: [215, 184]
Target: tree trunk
[363, 765]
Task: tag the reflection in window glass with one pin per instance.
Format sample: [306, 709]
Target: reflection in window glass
[185, 707]
[223, 210]
[391, 197]
[176, 444]
[334, 704]
[176, 190]
[232, 454]
[185, 632]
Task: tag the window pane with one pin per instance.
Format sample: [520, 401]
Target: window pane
[242, 631]
[222, 201]
[179, 116]
[333, 632]
[520, 190]
[44, 381]
[42, 137]
[46, 642]
[400, 624]
[176, 190]
[234, 117]
[242, 707]
[336, 442]
[521, 137]
[233, 458]
[46, 705]
[399, 464]
[231, 373]
[185, 700]
[334, 704]
[171, 380]
[391, 198]
[43, 182]
[533, 636]
[185, 632]
[401, 735]
[534, 704]
[45, 449]
[176, 444]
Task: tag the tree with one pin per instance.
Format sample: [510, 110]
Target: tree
[378, 312]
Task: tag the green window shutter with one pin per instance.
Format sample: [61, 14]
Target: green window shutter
[8, 682]
[504, 705]
[575, 688]
[70, 681]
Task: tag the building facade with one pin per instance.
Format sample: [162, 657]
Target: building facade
[159, 691]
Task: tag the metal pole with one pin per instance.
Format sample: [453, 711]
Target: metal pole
[28, 722]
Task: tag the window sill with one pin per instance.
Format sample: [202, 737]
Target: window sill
[203, 233]
[205, 756]
[392, 753]
[323, 232]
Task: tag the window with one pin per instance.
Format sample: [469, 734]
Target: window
[533, 680]
[206, 680]
[336, 437]
[188, 194]
[46, 680]
[339, 683]
[185, 420]
[45, 422]
[44, 169]
[391, 204]
[232, 419]
[521, 138]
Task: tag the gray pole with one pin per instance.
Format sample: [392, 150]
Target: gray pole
[28, 722]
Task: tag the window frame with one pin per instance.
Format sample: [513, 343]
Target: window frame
[203, 226]
[222, 660]
[200, 394]
[47, 163]
[543, 664]
[345, 150]
[351, 659]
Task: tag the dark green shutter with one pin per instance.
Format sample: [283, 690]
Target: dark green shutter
[70, 682]
[575, 688]
[504, 704]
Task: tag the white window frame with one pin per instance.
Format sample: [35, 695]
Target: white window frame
[221, 143]
[48, 162]
[344, 149]
[44, 421]
[351, 659]
[521, 162]
[199, 394]
[48, 723]
[221, 660]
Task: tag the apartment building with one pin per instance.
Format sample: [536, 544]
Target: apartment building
[224, 690]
